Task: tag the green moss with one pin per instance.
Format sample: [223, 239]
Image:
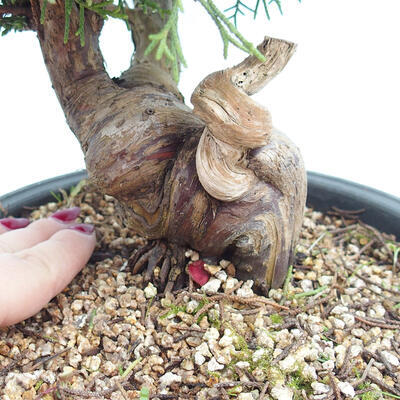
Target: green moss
[357, 374]
[202, 303]
[174, 309]
[238, 340]
[298, 382]
[322, 358]
[149, 306]
[276, 318]
[372, 395]
[326, 380]
[213, 318]
[263, 363]
[275, 375]
[38, 385]
[202, 315]
[91, 319]
[231, 366]
[144, 393]
[214, 374]
[234, 391]
[288, 279]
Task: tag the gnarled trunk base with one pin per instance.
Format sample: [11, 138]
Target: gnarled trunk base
[217, 178]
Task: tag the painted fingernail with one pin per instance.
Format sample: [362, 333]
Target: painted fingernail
[14, 223]
[84, 228]
[67, 215]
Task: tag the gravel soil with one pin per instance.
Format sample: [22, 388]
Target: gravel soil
[332, 332]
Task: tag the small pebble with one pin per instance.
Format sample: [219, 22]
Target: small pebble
[212, 286]
[306, 285]
[391, 358]
[245, 290]
[150, 291]
[222, 276]
[338, 310]
[199, 359]
[320, 388]
[213, 365]
[280, 392]
[245, 396]
[346, 389]
[288, 364]
[187, 364]
[211, 334]
[169, 378]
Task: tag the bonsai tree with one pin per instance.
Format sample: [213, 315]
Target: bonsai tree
[218, 178]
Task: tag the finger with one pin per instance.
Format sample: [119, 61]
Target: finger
[8, 224]
[32, 277]
[38, 231]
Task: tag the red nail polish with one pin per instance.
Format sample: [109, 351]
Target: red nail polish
[14, 223]
[84, 228]
[67, 215]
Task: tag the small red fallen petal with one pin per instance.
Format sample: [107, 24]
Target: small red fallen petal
[198, 273]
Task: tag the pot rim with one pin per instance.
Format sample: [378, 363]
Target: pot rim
[382, 210]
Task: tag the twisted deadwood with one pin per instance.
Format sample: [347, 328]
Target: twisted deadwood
[140, 142]
[235, 122]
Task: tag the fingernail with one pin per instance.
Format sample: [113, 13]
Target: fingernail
[14, 223]
[67, 215]
[84, 228]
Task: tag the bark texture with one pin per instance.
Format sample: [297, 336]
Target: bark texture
[144, 146]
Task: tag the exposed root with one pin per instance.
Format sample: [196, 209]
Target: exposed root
[163, 265]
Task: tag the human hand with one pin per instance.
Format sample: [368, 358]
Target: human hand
[38, 260]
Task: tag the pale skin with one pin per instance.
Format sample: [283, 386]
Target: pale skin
[37, 262]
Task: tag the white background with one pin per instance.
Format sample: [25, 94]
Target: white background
[338, 98]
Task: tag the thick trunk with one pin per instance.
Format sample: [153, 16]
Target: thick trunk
[140, 143]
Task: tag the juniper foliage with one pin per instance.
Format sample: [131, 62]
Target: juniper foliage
[15, 16]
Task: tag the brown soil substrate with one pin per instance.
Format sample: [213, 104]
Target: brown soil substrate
[332, 332]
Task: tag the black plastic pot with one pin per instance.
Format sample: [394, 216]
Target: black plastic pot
[381, 210]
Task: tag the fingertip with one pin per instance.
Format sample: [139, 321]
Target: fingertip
[79, 238]
[87, 229]
[66, 215]
[43, 271]
[7, 224]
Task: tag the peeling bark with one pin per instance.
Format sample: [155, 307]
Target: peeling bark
[140, 143]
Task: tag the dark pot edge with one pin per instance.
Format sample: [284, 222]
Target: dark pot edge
[381, 209]
[38, 193]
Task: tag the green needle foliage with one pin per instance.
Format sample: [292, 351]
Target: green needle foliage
[240, 8]
[228, 31]
[105, 9]
[12, 23]
[167, 41]
[164, 44]
[276, 2]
